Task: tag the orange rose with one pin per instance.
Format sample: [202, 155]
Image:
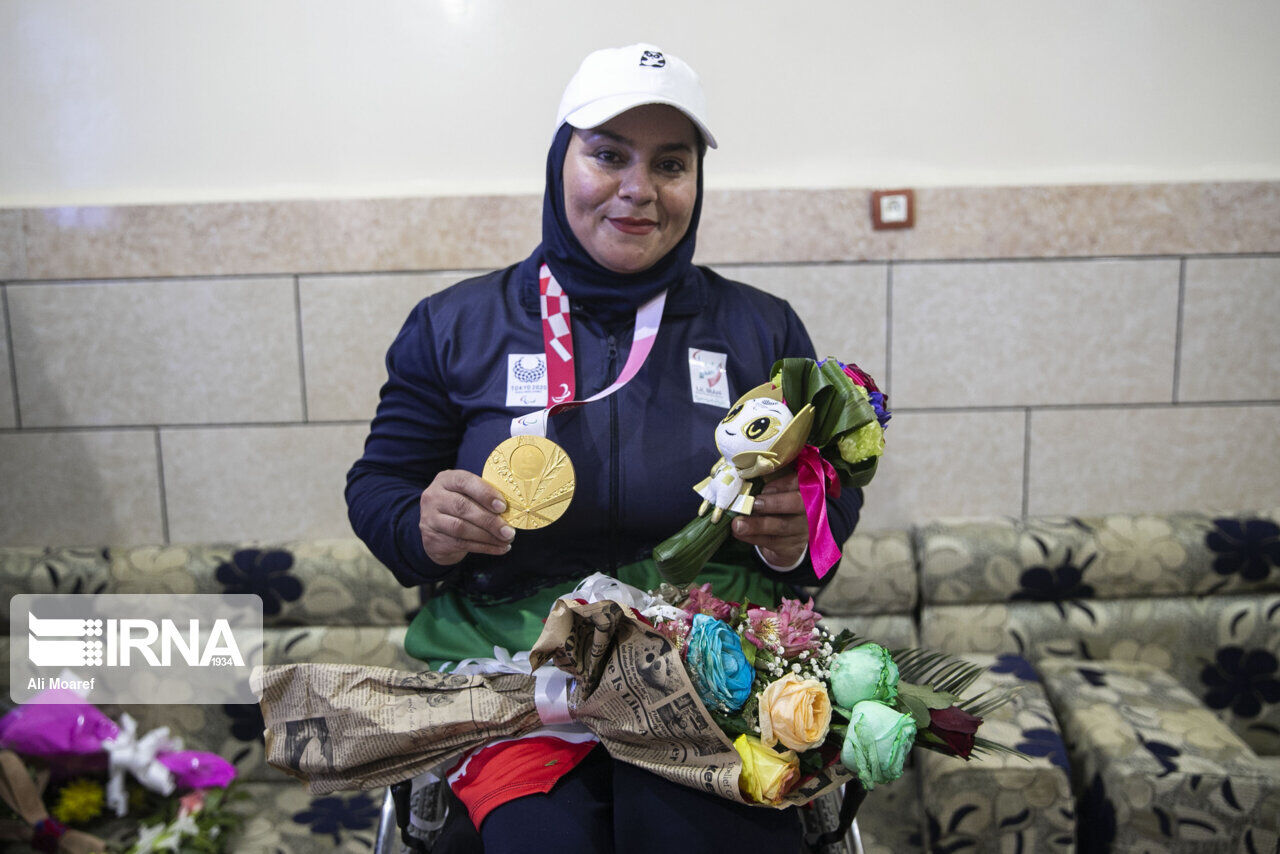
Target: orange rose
[796, 712]
[767, 775]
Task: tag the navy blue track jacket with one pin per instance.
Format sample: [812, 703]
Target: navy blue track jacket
[636, 453]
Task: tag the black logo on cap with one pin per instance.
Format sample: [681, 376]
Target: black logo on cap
[652, 59]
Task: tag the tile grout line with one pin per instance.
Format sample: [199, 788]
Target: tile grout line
[888, 326]
[12, 356]
[1177, 329]
[465, 272]
[1026, 463]
[302, 363]
[224, 425]
[164, 496]
[1255, 403]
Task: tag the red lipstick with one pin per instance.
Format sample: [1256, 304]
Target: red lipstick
[632, 225]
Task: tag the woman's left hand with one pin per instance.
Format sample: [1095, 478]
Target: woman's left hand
[777, 524]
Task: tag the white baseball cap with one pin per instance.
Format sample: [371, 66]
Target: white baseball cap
[610, 82]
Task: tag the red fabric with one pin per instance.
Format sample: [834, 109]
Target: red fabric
[513, 769]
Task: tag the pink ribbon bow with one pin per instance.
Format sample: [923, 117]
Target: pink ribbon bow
[818, 479]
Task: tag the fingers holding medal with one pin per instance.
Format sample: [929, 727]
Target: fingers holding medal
[536, 478]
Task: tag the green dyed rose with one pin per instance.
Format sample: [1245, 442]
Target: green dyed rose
[866, 672]
[877, 743]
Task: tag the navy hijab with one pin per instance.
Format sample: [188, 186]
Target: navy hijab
[599, 290]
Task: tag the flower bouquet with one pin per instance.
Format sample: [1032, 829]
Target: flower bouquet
[796, 699]
[754, 705]
[84, 760]
[826, 417]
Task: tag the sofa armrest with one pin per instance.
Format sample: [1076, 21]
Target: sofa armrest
[1154, 768]
[1001, 802]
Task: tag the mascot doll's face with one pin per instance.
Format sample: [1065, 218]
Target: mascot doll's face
[752, 425]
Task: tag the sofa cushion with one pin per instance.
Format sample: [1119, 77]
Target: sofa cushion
[1155, 769]
[876, 575]
[1112, 557]
[1224, 649]
[316, 582]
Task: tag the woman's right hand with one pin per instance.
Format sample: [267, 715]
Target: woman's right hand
[460, 516]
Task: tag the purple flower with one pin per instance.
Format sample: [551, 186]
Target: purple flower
[879, 400]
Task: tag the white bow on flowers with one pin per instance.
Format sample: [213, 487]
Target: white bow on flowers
[127, 752]
[598, 587]
[552, 686]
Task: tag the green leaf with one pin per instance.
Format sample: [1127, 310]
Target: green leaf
[930, 698]
[838, 406]
[915, 707]
[938, 670]
[733, 725]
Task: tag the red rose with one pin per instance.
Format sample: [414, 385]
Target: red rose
[956, 727]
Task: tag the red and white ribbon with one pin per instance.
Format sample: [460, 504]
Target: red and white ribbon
[557, 339]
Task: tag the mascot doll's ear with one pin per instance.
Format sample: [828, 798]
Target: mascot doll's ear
[793, 437]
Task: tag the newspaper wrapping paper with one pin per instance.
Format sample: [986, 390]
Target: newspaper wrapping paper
[353, 727]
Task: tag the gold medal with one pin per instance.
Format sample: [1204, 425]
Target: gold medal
[535, 477]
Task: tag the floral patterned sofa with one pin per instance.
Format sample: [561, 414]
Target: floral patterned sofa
[1149, 641]
[1157, 639]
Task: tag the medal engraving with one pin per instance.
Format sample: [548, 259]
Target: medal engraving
[535, 478]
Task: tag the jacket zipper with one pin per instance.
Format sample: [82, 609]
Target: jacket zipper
[614, 462]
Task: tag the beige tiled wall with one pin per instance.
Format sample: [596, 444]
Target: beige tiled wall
[258, 482]
[8, 412]
[201, 351]
[1159, 458]
[195, 373]
[1034, 333]
[347, 324]
[1231, 330]
[80, 487]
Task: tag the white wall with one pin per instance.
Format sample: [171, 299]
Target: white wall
[123, 101]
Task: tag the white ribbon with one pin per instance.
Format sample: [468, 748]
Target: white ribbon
[551, 685]
[599, 587]
[127, 752]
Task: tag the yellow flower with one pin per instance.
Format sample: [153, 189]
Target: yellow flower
[766, 774]
[796, 712]
[78, 802]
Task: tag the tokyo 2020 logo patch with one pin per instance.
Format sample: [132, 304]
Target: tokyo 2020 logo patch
[526, 380]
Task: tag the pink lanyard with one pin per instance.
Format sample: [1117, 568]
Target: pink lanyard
[557, 339]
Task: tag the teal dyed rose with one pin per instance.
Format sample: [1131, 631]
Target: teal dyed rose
[720, 670]
[866, 672]
[877, 742]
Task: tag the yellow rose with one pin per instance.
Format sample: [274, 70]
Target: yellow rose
[796, 712]
[766, 774]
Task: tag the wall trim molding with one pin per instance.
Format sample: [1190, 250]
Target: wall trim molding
[738, 227]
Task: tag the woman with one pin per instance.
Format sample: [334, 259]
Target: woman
[620, 216]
